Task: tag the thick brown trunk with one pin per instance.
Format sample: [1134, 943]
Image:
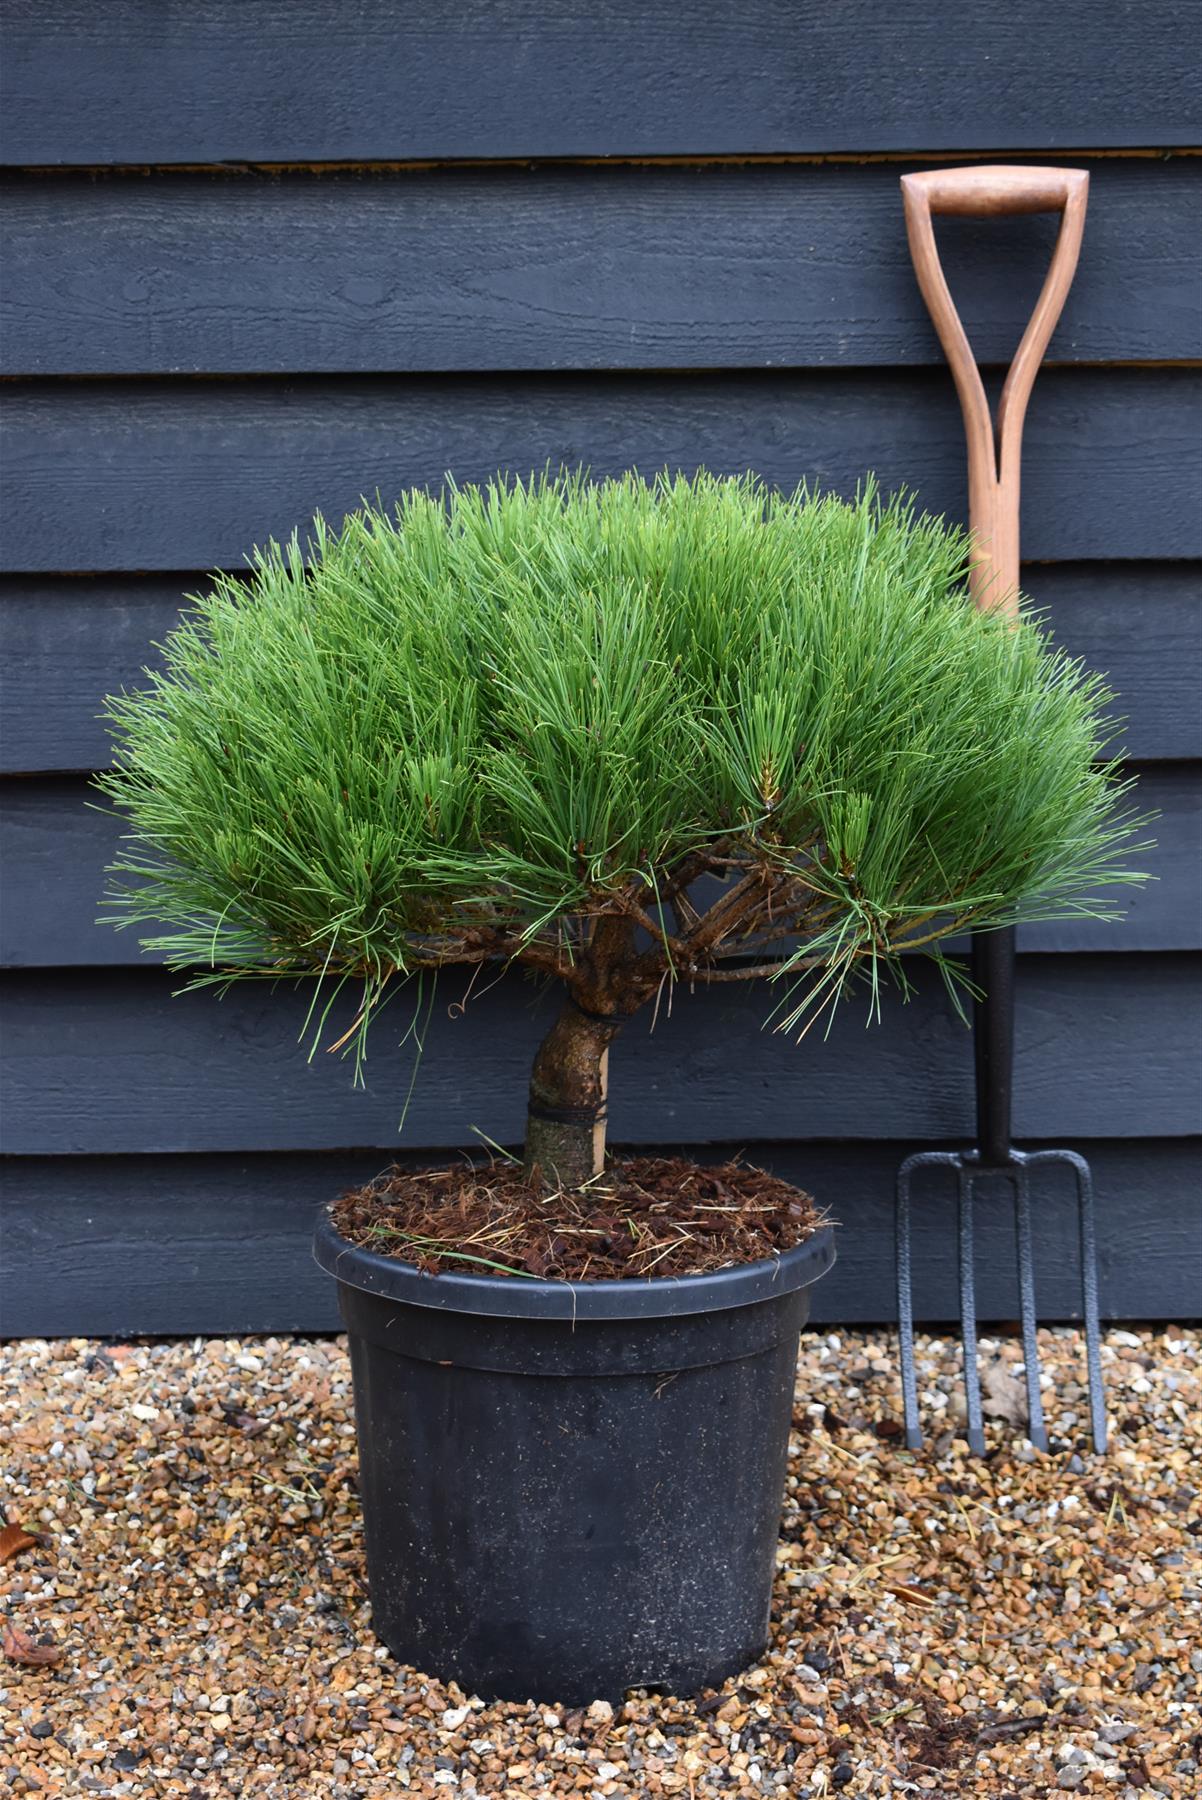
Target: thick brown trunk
[565, 1125]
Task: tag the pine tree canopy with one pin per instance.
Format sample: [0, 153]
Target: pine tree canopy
[730, 720]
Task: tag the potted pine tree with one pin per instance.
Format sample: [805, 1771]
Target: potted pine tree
[632, 738]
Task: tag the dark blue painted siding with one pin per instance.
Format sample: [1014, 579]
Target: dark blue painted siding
[380, 80]
[210, 331]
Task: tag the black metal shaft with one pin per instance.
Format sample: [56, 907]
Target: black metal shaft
[993, 1043]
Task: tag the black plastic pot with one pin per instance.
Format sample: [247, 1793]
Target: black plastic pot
[572, 1489]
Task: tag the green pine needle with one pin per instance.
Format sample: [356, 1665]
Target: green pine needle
[467, 730]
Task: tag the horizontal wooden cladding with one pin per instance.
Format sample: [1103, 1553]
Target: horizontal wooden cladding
[564, 267]
[55, 846]
[104, 1062]
[220, 1244]
[69, 640]
[167, 474]
[216, 80]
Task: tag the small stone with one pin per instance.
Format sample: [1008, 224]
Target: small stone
[601, 1712]
[1072, 1775]
[41, 1728]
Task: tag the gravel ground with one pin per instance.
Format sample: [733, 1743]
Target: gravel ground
[1024, 1626]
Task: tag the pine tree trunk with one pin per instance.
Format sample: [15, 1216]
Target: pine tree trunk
[565, 1125]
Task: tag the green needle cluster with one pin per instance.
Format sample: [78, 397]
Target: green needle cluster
[472, 728]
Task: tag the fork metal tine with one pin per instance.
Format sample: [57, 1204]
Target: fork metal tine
[1036, 1429]
[1090, 1307]
[968, 1314]
[905, 1308]
[922, 1159]
[969, 1169]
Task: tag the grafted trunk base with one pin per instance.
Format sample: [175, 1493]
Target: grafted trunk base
[565, 1123]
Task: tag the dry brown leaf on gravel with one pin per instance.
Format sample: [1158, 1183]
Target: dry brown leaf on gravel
[19, 1647]
[1005, 1394]
[246, 1423]
[13, 1539]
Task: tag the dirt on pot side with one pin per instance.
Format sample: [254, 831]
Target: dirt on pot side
[645, 1216]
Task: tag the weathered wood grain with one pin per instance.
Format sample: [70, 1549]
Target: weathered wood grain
[68, 640]
[55, 845]
[303, 80]
[110, 1061]
[161, 474]
[374, 328]
[555, 267]
[220, 1244]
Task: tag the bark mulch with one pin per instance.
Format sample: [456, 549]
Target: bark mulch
[997, 1630]
[645, 1216]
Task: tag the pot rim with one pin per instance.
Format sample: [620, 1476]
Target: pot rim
[515, 1297]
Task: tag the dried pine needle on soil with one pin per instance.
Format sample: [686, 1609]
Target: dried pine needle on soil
[1023, 1626]
[645, 1216]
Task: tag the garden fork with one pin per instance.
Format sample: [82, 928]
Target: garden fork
[994, 463]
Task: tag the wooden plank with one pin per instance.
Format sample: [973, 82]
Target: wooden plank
[1141, 626]
[220, 1244]
[304, 80]
[558, 267]
[71, 639]
[160, 474]
[55, 846]
[98, 1062]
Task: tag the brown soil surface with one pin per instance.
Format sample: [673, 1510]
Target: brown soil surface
[646, 1216]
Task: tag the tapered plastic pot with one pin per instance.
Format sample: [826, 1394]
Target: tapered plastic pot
[571, 1489]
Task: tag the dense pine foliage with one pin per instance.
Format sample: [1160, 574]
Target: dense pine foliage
[475, 727]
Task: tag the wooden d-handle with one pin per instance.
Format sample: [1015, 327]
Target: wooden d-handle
[994, 452]
[990, 192]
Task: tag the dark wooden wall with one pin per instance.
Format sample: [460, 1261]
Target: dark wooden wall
[263, 259]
